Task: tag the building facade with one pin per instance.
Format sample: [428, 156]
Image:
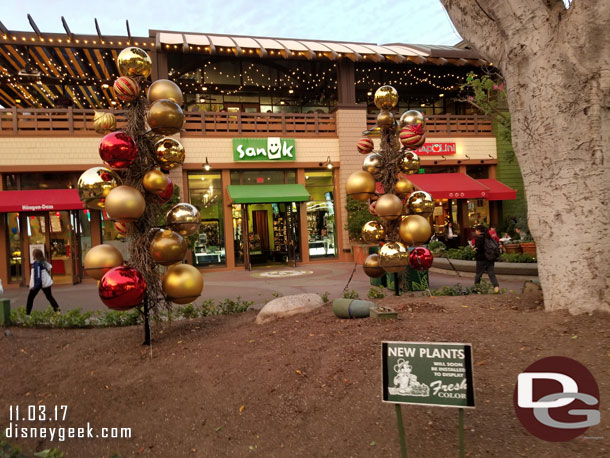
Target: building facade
[270, 132]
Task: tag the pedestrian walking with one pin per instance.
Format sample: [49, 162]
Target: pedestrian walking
[40, 278]
[487, 252]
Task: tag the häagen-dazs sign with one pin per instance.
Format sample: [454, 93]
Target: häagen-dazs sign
[263, 149]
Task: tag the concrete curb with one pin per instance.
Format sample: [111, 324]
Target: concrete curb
[503, 268]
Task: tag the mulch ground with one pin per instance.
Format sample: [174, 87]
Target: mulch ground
[306, 386]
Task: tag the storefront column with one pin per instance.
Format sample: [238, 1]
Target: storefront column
[462, 169]
[227, 216]
[492, 171]
[4, 254]
[96, 228]
[346, 83]
[303, 231]
[463, 220]
[338, 203]
[494, 213]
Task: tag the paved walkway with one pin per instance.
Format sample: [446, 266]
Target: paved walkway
[259, 285]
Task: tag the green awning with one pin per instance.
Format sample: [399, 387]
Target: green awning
[267, 193]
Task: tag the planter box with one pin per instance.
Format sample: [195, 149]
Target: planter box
[512, 248]
[529, 248]
[361, 251]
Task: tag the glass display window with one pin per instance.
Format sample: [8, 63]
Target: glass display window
[14, 245]
[321, 228]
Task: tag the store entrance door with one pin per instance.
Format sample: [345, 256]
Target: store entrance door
[272, 234]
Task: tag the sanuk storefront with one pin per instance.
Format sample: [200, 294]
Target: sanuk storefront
[265, 201]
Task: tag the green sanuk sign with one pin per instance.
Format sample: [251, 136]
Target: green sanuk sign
[437, 374]
[263, 149]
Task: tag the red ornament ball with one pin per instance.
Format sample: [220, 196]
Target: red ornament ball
[365, 145]
[412, 136]
[122, 288]
[168, 192]
[120, 227]
[126, 88]
[420, 258]
[118, 150]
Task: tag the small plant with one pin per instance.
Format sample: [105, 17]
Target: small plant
[464, 252]
[421, 284]
[187, 311]
[275, 294]
[325, 297]
[437, 247]
[351, 294]
[376, 292]
[460, 290]
[517, 257]
[9, 451]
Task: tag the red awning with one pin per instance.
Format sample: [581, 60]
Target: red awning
[498, 190]
[40, 200]
[449, 185]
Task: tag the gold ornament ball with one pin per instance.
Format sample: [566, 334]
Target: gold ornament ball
[155, 181]
[411, 118]
[165, 89]
[168, 247]
[165, 117]
[95, 184]
[386, 98]
[414, 230]
[410, 163]
[372, 164]
[170, 153]
[134, 61]
[104, 122]
[182, 283]
[385, 119]
[184, 219]
[393, 257]
[100, 259]
[389, 207]
[125, 203]
[373, 232]
[403, 188]
[360, 185]
[371, 266]
[420, 203]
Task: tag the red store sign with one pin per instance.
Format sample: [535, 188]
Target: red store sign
[436, 149]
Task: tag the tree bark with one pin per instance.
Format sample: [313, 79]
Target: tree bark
[556, 63]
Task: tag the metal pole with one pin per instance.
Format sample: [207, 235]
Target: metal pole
[396, 285]
[401, 432]
[461, 431]
[146, 322]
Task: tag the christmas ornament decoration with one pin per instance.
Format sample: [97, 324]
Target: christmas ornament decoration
[385, 119]
[389, 207]
[164, 89]
[104, 122]
[411, 118]
[122, 288]
[365, 145]
[420, 259]
[372, 207]
[420, 203]
[165, 117]
[94, 185]
[118, 150]
[120, 227]
[403, 188]
[360, 185]
[168, 247]
[373, 232]
[125, 203]
[413, 136]
[184, 219]
[168, 192]
[393, 257]
[372, 164]
[100, 259]
[134, 62]
[182, 283]
[386, 97]
[170, 153]
[371, 266]
[415, 230]
[155, 182]
[410, 163]
[126, 88]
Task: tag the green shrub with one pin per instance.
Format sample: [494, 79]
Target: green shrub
[460, 290]
[325, 297]
[437, 247]
[517, 257]
[357, 215]
[465, 253]
[351, 294]
[376, 292]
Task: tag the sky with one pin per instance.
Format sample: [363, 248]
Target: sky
[380, 22]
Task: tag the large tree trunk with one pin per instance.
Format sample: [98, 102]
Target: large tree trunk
[556, 64]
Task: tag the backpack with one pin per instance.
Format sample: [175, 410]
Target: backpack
[491, 249]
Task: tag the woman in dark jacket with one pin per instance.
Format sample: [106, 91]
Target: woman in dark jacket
[484, 264]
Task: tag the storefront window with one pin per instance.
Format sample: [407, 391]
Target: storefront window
[14, 243]
[477, 172]
[321, 214]
[111, 236]
[478, 212]
[49, 180]
[440, 169]
[262, 177]
[205, 192]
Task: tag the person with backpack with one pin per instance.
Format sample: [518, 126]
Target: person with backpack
[40, 278]
[487, 252]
